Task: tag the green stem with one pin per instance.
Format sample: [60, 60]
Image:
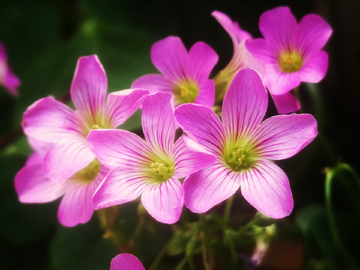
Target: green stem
[227, 210]
[351, 170]
[161, 254]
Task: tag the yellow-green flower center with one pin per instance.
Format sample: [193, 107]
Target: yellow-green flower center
[186, 92]
[160, 171]
[88, 173]
[290, 61]
[239, 159]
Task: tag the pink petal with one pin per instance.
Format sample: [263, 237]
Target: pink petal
[280, 83]
[116, 148]
[283, 136]
[121, 185]
[314, 68]
[206, 95]
[11, 82]
[126, 261]
[35, 158]
[245, 103]
[154, 83]
[158, 122]
[201, 60]
[209, 187]
[286, 103]
[260, 49]
[266, 187]
[66, 158]
[38, 146]
[202, 123]
[50, 120]
[190, 157]
[33, 186]
[312, 33]
[164, 201]
[169, 57]
[89, 86]
[121, 105]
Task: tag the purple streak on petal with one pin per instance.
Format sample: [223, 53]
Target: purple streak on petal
[50, 120]
[38, 146]
[89, 86]
[158, 122]
[312, 33]
[280, 83]
[283, 136]
[121, 185]
[201, 60]
[126, 261]
[35, 158]
[314, 68]
[206, 95]
[190, 157]
[154, 83]
[164, 201]
[266, 187]
[116, 148]
[209, 187]
[121, 105]
[169, 57]
[203, 124]
[66, 158]
[286, 103]
[245, 103]
[33, 186]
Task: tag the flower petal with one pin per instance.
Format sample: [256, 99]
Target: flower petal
[35, 158]
[260, 49]
[38, 146]
[202, 123]
[50, 120]
[164, 201]
[206, 95]
[66, 158]
[169, 57]
[121, 185]
[89, 86]
[282, 136]
[280, 83]
[11, 82]
[154, 83]
[314, 68]
[158, 122]
[190, 157]
[126, 261]
[286, 103]
[121, 105]
[266, 187]
[33, 186]
[245, 103]
[209, 187]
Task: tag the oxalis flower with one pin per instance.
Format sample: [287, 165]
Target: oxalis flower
[7, 78]
[184, 75]
[243, 147]
[126, 261]
[52, 121]
[291, 53]
[150, 168]
[33, 186]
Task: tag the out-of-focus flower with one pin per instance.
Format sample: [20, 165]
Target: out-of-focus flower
[33, 186]
[150, 168]
[243, 147]
[7, 78]
[290, 52]
[126, 261]
[52, 121]
[242, 58]
[185, 75]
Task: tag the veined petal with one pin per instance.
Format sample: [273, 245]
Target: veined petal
[203, 124]
[209, 187]
[66, 158]
[266, 187]
[286, 103]
[282, 136]
[50, 120]
[314, 68]
[38, 146]
[154, 83]
[89, 86]
[245, 103]
[206, 95]
[280, 83]
[158, 122]
[164, 201]
[169, 57]
[121, 185]
[190, 157]
[126, 261]
[121, 105]
[201, 60]
[33, 186]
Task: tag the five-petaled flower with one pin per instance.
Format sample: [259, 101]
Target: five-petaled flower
[185, 74]
[291, 53]
[150, 168]
[7, 77]
[243, 146]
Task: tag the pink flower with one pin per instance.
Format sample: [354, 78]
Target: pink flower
[52, 121]
[150, 168]
[126, 261]
[243, 146]
[185, 74]
[7, 77]
[33, 186]
[291, 53]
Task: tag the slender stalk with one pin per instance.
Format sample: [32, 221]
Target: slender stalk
[227, 210]
[161, 254]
